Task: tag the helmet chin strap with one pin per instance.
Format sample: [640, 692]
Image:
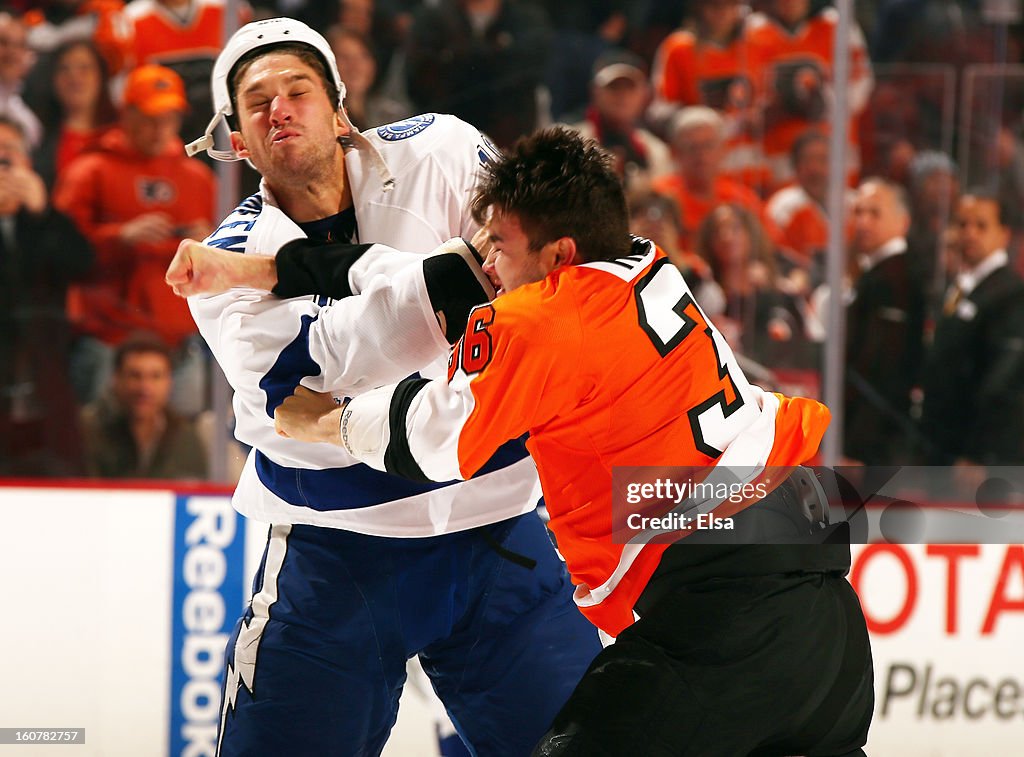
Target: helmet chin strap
[206, 143]
[359, 142]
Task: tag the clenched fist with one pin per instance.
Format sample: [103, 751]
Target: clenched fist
[199, 269]
[309, 416]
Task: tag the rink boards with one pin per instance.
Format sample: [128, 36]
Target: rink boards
[119, 601]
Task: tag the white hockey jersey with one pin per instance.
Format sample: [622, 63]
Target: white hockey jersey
[418, 198]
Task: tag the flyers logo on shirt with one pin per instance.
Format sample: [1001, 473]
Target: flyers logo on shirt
[155, 191]
[473, 352]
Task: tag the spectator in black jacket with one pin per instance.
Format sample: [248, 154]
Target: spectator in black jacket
[41, 251]
[481, 60]
[974, 379]
[885, 325]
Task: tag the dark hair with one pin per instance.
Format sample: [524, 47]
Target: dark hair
[339, 32]
[300, 50]
[559, 185]
[140, 342]
[1003, 214]
[760, 244]
[648, 202]
[805, 139]
[106, 112]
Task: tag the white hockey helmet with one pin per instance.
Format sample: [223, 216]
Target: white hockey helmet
[271, 31]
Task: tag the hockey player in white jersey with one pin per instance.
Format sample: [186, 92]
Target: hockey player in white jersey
[363, 570]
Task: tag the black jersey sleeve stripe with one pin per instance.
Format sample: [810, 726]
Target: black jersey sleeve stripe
[398, 458]
[308, 267]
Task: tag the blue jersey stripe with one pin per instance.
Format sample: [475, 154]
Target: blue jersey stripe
[359, 485]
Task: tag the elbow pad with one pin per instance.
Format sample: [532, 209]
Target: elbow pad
[456, 283]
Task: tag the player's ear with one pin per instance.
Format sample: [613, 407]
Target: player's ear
[238, 145]
[565, 251]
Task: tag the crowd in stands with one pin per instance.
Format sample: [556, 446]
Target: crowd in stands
[718, 115]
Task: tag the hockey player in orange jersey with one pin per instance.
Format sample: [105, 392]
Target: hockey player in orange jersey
[596, 347]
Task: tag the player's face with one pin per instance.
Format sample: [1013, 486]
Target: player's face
[512, 263]
[289, 129]
[877, 217]
[979, 230]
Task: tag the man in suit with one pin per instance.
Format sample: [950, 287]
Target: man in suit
[885, 322]
[974, 378]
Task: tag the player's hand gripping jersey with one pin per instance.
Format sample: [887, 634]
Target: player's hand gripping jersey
[605, 364]
[409, 199]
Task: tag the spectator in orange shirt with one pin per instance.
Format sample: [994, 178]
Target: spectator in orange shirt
[698, 139]
[798, 211]
[791, 48]
[134, 198]
[186, 36]
[707, 64]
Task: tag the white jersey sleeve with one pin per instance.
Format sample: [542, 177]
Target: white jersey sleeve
[267, 347]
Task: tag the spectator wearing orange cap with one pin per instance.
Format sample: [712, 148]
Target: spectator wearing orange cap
[186, 36]
[134, 197]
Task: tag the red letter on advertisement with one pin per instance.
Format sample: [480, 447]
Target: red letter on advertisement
[952, 554]
[1014, 560]
[903, 558]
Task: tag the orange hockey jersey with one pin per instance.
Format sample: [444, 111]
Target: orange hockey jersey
[801, 221]
[187, 41]
[605, 364]
[795, 72]
[691, 71]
